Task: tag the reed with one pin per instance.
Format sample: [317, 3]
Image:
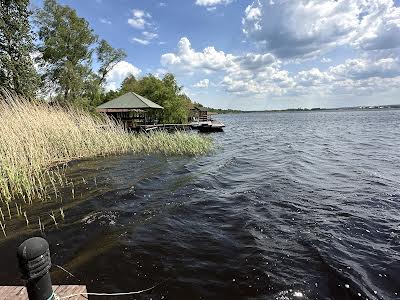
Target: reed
[3, 228]
[62, 213]
[26, 219]
[41, 228]
[36, 139]
[53, 217]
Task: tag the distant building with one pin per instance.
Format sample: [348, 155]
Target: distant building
[132, 110]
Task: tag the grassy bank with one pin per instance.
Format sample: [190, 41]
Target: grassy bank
[35, 139]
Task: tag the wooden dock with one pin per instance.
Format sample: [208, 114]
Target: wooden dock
[166, 127]
[19, 292]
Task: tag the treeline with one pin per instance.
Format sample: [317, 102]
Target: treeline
[55, 61]
[218, 110]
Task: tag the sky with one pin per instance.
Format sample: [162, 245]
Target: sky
[257, 54]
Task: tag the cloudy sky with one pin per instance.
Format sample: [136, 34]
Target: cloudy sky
[258, 54]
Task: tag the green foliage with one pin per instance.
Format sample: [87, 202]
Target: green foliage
[165, 92]
[16, 66]
[108, 58]
[218, 110]
[66, 45]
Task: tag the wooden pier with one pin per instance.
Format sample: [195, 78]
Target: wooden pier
[19, 292]
[167, 127]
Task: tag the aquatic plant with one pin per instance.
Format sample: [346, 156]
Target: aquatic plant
[36, 139]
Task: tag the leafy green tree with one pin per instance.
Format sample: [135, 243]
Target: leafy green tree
[66, 42]
[108, 58]
[165, 92]
[16, 66]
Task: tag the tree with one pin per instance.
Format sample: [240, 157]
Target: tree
[17, 71]
[165, 92]
[108, 58]
[66, 42]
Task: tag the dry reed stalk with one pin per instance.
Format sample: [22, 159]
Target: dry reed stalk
[9, 211]
[26, 219]
[3, 228]
[54, 218]
[35, 137]
[40, 226]
[16, 206]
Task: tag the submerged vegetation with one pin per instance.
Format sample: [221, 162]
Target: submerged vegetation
[36, 139]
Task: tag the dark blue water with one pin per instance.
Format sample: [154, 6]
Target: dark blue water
[288, 206]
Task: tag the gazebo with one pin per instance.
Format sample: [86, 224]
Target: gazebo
[132, 110]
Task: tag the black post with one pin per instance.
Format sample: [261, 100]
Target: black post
[34, 263]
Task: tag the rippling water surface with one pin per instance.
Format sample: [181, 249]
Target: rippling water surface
[288, 206]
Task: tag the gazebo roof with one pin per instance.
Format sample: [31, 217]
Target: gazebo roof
[128, 101]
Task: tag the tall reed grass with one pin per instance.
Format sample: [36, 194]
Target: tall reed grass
[36, 139]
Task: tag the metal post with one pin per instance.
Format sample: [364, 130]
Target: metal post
[34, 263]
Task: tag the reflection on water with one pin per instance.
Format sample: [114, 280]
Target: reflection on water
[288, 206]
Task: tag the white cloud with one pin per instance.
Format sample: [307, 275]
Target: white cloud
[313, 77]
[212, 2]
[105, 21]
[187, 60]
[361, 76]
[160, 73]
[306, 28]
[212, 8]
[162, 4]
[381, 26]
[368, 67]
[261, 75]
[326, 60]
[139, 19]
[250, 73]
[141, 41]
[203, 84]
[149, 35]
[119, 73]
[146, 38]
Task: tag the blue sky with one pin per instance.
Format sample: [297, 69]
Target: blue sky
[258, 54]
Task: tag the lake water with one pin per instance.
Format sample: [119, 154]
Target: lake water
[288, 206]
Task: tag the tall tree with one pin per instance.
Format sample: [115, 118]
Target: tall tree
[17, 71]
[66, 42]
[108, 58]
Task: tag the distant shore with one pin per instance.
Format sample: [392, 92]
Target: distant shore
[353, 108]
